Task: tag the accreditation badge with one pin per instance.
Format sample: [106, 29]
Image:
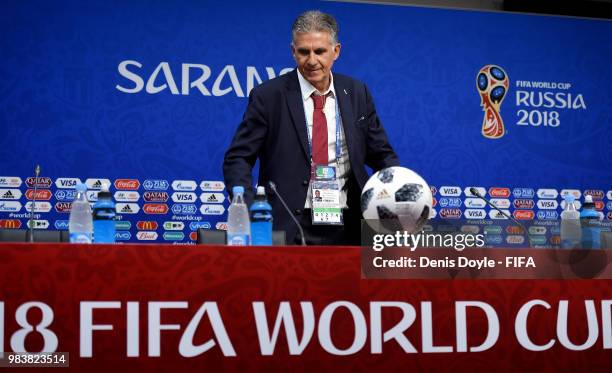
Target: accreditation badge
[325, 189]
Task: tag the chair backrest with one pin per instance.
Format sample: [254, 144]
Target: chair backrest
[40, 235]
[218, 237]
[12, 235]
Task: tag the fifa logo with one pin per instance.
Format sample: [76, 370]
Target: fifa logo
[492, 83]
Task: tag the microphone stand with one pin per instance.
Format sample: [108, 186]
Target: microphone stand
[33, 205]
[272, 186]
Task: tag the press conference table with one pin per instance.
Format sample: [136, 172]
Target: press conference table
[149, 307]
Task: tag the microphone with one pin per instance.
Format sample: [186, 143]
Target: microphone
[273, 187]
[33, 205]
[475, 192]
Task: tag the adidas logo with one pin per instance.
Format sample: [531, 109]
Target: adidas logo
[97, 184]
[8, 195]
[383, 194]
[126, 209]
[212, 198]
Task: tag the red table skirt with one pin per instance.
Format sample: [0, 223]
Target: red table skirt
[165, 307]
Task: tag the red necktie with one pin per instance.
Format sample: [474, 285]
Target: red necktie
[319, 131]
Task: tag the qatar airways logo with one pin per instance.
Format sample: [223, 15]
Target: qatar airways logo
[186, 78]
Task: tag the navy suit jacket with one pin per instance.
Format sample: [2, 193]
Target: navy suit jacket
[273, 130]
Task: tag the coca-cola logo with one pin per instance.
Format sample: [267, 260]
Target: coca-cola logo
[499, 192]
[523, 214]
[127, 184]
[41, 194]
[155, 208]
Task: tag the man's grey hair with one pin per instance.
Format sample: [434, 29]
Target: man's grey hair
[315, 21]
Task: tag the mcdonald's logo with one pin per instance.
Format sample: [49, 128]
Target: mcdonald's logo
[10, 223]
[146, 225]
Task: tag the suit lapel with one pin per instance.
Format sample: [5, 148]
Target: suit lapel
[346, 111]
[296, 109]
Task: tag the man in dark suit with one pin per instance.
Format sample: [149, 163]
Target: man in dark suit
[305, 118]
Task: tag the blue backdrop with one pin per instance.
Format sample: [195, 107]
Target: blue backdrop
[105, 89]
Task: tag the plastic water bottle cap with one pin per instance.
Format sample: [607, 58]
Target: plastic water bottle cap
[588, 198]
[569, 198]
[80, 187]
[105, 187]
[238, 190]
[261, 190]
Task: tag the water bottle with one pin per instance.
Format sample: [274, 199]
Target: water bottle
[103, 217]
[238, 225]
[261, 219]
[589, 221]
[80, 224]
[570, 224]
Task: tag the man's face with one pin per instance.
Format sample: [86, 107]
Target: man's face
[315, 54]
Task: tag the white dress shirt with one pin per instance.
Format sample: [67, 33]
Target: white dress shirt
[343, 168]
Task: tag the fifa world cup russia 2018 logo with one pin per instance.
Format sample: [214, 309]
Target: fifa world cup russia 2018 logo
[492, 83]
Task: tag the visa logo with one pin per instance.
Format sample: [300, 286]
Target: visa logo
[547, 204]
[450, 191]
[184, 197]
[67, 182]
[475, 214]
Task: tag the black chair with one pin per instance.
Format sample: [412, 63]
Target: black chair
[40, 235]
[218, 237]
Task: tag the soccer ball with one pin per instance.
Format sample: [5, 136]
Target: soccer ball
[396, 198]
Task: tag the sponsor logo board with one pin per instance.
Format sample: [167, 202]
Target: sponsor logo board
[10, 206]
[494, 214]
[92, 195]
[184, 197]
[450, 213]
[39, 182]
[129, 196]
[155, 208]
[535, 230]
[501, 203]
[174, 225]
[475, 214]
[523, 214]
[450, 191]
[523, 193]
[547, 193]
[481, 190]
[41, 194]
[146, 236]
[155, 184]
[155, 196]
[127, 184]
[497, 192]
[474, 203]
[127, 208]
[11, 194]
[38, 224]
[63, 207]
[123, 225]
[451, 202]
[122, 236]
[10, 223]
[65, 194]
[574, 192]
[515, 240]
[213, 197]
[547, 204]
[492, 229]
[184, 209]
[194, 226]
[212, 209]
[595, 193]
[212, 186]
[173, 236]
[547, 215]
[67, 182]
[147, 225]
[61, 225]
[97, 183]
[184, 185]
[38, 206]
[10, 182]
[523, 204]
